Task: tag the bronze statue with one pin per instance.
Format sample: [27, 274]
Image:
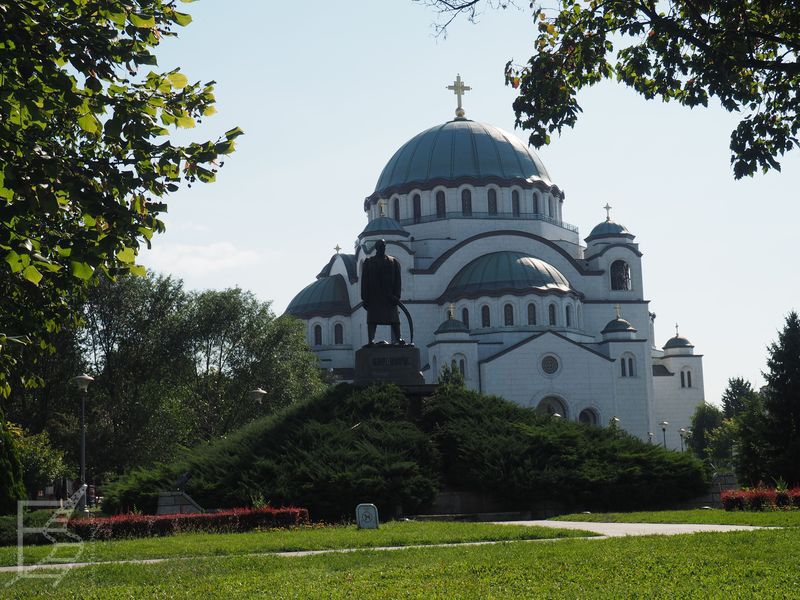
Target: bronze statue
[380, 292]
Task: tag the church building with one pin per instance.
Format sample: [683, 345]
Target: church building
[501, 288]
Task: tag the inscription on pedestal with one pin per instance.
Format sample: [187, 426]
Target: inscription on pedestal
[395, 364]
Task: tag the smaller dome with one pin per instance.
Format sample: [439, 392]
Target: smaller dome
[678, 342]
[383, 226]
[609, 228]
[323, 298]
[618, 325]
[452, 325]
[506, 272]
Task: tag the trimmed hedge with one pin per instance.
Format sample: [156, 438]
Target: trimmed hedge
[228, 521]
[761, 498]
[376, 445]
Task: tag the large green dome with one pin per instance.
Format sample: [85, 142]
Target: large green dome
[459, 150]
[323, 298]
[506, 272]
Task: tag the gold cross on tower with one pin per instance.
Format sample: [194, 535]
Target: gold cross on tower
[337, 247]
[676, 330]
[608, 208]
[617, 307]
[459, 89]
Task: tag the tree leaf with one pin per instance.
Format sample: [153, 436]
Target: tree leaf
[178, 80]
[142, 21]
[182, 19]
[81, 270]
[89, 123]
[32, 274]
[137, 270]
[127, 255]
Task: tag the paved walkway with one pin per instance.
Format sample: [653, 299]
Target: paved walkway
[604, 531]
[608, 530]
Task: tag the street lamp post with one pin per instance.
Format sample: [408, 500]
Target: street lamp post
[664, 432]
[257, 394]
[83, 381]
[682, 431]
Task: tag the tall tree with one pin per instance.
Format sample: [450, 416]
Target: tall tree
[11, 485]
[744, 53]
[735, 395]
[85, 154]
[705, 420]
[782, 403]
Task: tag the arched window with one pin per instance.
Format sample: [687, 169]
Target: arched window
[531, 314]
[508, 315]
[465, 317]
[515, 203]
[318, 335]
[492, 201]
[620, 275]
[552, 405]
[627, 365]
[536, 203]
[462, 366]
[485, 320]
[417, 208]
[551, 310]
[441, 207]
[396, 209]
[588, 417]
[686, 378]
[338, 334]
[466, 203]
[435, 368]
[568, 315]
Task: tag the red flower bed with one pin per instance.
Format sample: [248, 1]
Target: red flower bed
[227, 521]
[760, 498]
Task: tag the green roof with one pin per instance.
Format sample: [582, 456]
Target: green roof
[506, 272]
[460, 149]
[383, 225]
[323, 298]
[678, 342]
[609, 228]
[452, 326]
[618, 325]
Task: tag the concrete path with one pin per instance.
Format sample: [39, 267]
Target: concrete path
[624, 529]
[604, 531]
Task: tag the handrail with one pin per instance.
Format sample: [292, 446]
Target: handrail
[486, 215]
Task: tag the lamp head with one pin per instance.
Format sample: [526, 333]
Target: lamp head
[83, 381]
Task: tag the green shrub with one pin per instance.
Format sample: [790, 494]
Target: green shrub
[489, 444]
[350, 446]
[328, 454]
[12, 487]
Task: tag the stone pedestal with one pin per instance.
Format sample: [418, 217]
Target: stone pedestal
[390, 364]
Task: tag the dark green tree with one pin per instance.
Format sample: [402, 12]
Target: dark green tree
[735, 395]
[42, 464]
[782, 403]
[11, 485]
[85, 155]
[706, 419]
[749, 449]
[744, 53]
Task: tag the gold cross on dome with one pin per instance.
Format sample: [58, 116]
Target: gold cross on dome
[617, 307]
[459, 88]
[337, 247]
[608, 208]
[676, 330]
[451, 311]
[382, 207]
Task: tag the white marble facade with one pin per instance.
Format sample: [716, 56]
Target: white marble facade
[502, 288]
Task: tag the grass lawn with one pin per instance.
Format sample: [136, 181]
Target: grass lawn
[395, 533]
[776, 518]
[760, 564]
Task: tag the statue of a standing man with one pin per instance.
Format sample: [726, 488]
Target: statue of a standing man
[380, 292]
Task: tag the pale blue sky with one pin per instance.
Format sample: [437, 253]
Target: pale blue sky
[326, 92]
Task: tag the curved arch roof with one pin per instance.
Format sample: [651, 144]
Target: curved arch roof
[609, 228]
[460, 149]
[323, 298]
[678, 342]
[506, 272]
